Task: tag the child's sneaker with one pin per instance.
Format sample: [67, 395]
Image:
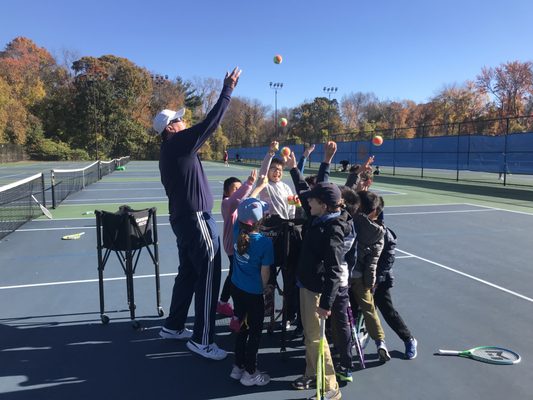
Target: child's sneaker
[383, 353]
[410, 349]
[236, 373]
[211, 351]
[334, 394]
[258, 378]
[304, 383]
[184, 334]
[343, 374]
[235, 324]
[224, 309]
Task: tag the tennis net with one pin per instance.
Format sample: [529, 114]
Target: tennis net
[68, 181]
[18, 203]
[106, 167]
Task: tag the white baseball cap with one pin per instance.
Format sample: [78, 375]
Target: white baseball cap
[161, 120]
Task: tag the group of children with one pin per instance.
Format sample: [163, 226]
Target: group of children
[346, 259]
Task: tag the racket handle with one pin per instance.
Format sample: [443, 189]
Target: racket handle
[322, 327]
[449, 352]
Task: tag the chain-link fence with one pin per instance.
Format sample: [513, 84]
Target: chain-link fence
[497, 151]
[10, 152]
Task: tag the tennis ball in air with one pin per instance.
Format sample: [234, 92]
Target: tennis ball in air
[278, 59]
[285, 152]
[377, 140]
[283, 122]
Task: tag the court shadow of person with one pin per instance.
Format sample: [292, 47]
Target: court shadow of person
[87, 360]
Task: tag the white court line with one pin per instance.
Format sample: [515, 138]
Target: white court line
[73, 228]
[500, 209]
[469, 276]
[436, 212]
[115, 200]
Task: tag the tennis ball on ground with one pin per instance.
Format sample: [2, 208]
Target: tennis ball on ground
[283, 122]
[278, 59]
[285, 152]
[377, 140]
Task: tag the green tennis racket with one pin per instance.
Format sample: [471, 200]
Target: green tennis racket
[74, 236]
[488, 354]
[321, 364]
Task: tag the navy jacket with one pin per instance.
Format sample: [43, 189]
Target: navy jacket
[182, 173]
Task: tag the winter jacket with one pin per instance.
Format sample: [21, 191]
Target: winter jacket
[386, 259]
[322, 255]
[369, 246]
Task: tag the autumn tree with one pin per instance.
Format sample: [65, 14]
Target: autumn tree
[510, 84]
[244, 121]
[110, 92]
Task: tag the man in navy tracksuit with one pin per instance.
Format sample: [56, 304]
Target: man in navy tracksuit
[190, 203]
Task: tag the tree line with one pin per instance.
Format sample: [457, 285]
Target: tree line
[84, 107]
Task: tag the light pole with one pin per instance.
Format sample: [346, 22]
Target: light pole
[91, 83]
[276, 86]
[159, 81]
[329, 91]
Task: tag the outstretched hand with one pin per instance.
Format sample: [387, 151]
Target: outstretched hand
[291, 161]
[231, 79]
[367, 165]
[252, 177]
[309, 150]
[330, 150]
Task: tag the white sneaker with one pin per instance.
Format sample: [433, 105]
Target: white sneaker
[184, 334]
[258, 378]
[211, 351]
[383, 353]
[236, 373]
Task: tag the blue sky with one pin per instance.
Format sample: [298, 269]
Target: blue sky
[397, 49]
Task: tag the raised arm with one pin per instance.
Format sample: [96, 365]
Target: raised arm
[265, 165]
[323, 170]
[261, 184]
[307, 152]
[242, 192]
[202, 131]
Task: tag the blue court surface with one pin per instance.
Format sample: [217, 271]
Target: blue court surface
[463, 279]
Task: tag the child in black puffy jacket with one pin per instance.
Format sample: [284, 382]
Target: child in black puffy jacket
[382, 295]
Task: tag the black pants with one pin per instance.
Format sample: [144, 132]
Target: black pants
[340, 324]
[198, 274]
[249, 308]
[383, 301]
[226, 289]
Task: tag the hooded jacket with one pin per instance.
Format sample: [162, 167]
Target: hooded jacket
[369, 246]
[322, 256]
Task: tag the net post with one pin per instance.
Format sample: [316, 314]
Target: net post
[53, 184]
[42, 188]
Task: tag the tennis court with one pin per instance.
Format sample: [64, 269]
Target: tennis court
[463, 279]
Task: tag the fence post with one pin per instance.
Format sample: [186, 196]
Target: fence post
[505, 152]
[457, 155]
[394, 151]
[422, 153]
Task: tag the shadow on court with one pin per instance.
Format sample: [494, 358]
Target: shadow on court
[90, 360]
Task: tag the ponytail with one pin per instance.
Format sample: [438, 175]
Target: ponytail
[243, 241]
